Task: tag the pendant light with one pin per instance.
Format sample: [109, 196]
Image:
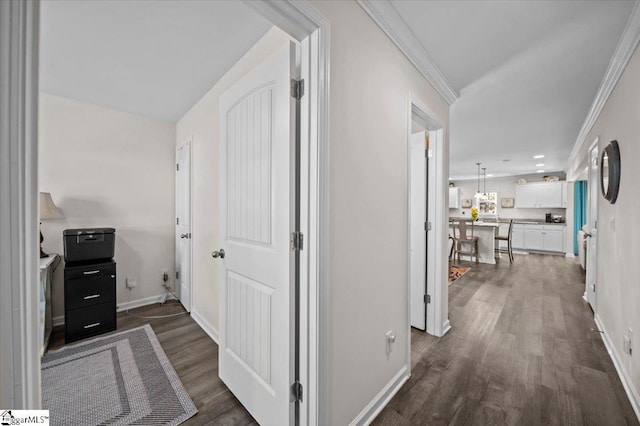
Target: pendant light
[478, 164]
[484, 174]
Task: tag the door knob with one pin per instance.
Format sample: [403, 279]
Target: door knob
[218, 254]
[185, 235]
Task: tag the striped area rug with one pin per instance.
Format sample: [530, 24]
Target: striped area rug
[119, 379]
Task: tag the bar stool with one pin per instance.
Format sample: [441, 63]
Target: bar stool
[462, 239]
[506, 238]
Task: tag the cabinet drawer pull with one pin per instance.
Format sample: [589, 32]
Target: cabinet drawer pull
[91, 272]
[93, 296]
[95, 324]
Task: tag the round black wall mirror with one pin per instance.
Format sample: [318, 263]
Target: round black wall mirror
[610, 172]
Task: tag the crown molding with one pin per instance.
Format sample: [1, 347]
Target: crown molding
[385, 15]
[623, 53]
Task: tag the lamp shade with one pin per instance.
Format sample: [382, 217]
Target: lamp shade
[48, 209]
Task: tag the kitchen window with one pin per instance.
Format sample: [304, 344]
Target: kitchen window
[487, 203]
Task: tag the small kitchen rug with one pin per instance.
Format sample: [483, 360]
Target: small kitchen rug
[119, 379]
[456, 272]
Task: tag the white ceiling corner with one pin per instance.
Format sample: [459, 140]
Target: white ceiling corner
[623, 53]
[520, 76]
[152, 58]
[387, 18]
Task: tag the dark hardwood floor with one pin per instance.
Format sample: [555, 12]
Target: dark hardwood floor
[195, 358]
[522, 351]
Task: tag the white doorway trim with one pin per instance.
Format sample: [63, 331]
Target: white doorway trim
[418, 190]
[301, 21]
[20, 349]
[437, 213]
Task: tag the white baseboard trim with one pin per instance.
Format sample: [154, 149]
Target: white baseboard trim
[445, 327]
[59, 320]
[381, 400]
[142, 302]
[204, 324]
[632, 393]
[584, 296]
[569, 254]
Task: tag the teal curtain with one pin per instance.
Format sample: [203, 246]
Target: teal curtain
[579, 211]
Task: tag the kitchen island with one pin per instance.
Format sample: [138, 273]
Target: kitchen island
[486, 233]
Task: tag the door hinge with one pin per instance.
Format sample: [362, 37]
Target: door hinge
[427, 226]
[296, 392]
[297, 241]
[177, 275]
[177, 167]
[427, 298]
[297, 89]
[177, 221]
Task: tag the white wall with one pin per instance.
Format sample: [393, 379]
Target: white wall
[506, 188]
[201, 124]
[106, 168]
[370, 85]
[617, 286]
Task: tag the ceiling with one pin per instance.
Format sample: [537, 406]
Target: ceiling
[527, 73]
[156, 59]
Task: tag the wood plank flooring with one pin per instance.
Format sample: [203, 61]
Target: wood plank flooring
[195, 358]
[522, 351]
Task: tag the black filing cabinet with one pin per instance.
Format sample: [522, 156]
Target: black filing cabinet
[89, 286]
[89, 299]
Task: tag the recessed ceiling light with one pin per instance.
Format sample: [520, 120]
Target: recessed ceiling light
[539, 171]
[490, 175]
[540, 165]
[538, 156]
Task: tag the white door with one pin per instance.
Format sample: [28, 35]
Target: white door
[418, 235]
[257, 309]
[183, 224]
[592, 221]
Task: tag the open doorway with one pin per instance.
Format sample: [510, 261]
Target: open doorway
[310, 30]
[427, 223]
[592, 226]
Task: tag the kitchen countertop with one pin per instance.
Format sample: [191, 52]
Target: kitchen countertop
[504, 220]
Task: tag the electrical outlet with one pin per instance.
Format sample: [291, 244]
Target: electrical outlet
[131, 283]
[165, 275]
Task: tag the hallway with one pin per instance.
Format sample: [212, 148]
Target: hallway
[522, 351]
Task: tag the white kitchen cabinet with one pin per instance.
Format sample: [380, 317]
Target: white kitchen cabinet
[541, 195]
[544, 237]
[517, 238]
[553, 240]
[526, 196]
[454, 197]
[534, 239]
